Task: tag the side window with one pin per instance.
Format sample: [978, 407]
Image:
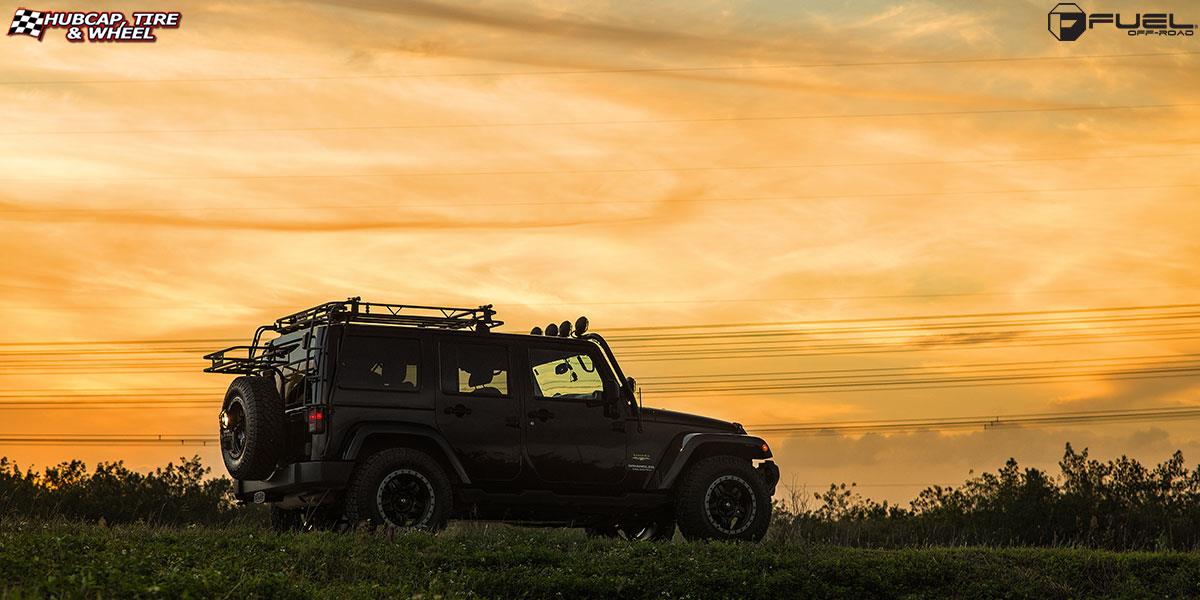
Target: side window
[474, 369]
[379, 363]
[567, 374]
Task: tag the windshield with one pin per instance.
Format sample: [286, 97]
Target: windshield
[568, 374]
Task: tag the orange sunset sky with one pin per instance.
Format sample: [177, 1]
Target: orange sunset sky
[645, 164]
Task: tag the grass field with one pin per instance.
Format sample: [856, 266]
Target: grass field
[70, 560]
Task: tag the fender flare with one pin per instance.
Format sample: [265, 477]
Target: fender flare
[748, 444]
[365, 432]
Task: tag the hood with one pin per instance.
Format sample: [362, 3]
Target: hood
[696, 422]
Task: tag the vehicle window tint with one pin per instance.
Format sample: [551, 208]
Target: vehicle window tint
[475, 369]
[566, 374]
[380, 363]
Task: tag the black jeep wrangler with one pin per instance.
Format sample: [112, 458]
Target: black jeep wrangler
[407, 416]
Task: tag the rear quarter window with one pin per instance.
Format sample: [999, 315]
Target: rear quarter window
[380, 363]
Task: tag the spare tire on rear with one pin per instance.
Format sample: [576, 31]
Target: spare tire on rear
[252, 428]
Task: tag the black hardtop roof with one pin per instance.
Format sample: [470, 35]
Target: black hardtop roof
[482, 336]
[263, 354]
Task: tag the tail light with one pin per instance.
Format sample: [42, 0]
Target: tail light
[316, 419]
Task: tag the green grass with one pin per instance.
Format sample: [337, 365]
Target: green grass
[72, 560]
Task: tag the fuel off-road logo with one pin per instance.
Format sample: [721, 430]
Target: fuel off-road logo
[94, 26]
[1067, 22]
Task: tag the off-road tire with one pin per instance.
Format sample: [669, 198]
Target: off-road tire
[364, 497]
[264, 428]
[696, 489]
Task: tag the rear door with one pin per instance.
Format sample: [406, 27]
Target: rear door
[476, 410]
[574, 433]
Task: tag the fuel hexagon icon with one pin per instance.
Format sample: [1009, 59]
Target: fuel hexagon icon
[1067, 21]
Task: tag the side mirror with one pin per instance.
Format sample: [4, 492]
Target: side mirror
[629, 391]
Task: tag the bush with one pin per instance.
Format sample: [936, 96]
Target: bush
[171, 495]
[1118, 504]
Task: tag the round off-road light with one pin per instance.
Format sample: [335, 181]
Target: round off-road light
[535, 331]
[564, 329]
[552, 330]
[581, 325]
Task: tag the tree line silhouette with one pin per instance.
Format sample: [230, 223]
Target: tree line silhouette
[1116, 504]
[180, 494]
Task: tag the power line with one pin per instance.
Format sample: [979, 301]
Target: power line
[626, 357]
[1025, 366]
[852, 389]
[628, 70]
[915, 337]
[682, 344]
[863, 349]
[802, 382]
[1128, 360]
[828, 428]
[984, 422]
[122, 342]
[563, 303]
[612, 202]
[518, 172]
[818, 384]
[505, 125]
[911, 317]
[1032, 325]
[107, 440]
[751, 324]
[910, 338]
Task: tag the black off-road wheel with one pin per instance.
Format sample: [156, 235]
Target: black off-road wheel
[723, 498]
[401, 489]
[252, 428]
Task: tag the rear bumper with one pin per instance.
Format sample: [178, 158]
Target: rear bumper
[296, 477]
[769, 471]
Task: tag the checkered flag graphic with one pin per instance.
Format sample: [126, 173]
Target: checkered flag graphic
[27, 22]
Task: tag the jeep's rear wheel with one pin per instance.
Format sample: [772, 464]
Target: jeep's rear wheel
[402, 489]
[723, 498]
[252, 428]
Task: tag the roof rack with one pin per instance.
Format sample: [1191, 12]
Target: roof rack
[354, 310]
[258, 357]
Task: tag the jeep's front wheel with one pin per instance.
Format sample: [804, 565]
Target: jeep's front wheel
[723, 498]
[402, 489]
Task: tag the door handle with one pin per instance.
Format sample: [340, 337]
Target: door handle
[457, 410]
[541, 414]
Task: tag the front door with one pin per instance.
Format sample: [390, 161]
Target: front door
[476, 410]
[572, 433]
